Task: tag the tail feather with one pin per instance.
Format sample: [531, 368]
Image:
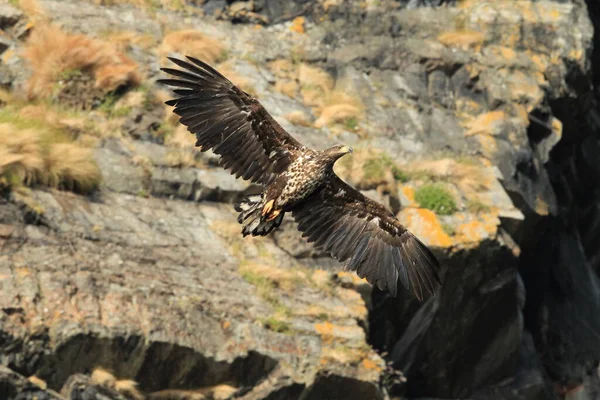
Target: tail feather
[251, 218]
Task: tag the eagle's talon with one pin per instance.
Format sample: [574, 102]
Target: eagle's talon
[268, 207]
[274, 215]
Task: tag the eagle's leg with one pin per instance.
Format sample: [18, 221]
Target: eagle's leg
[268, 207]
[273, 215]
[255, 221]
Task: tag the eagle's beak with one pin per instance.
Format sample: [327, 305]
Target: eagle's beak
[346, 149]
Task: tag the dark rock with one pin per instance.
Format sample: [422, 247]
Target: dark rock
[9, 16]
[79, 387]
[16, 387]
[143, 124]
[479, 349]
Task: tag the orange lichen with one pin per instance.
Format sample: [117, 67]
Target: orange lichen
[426, 225]
[477, 229]
[486, 123]
[324, 328]
[298, 25]
[409, 193]
[369, 364]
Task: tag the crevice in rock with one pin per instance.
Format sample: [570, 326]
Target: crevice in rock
[155, 366]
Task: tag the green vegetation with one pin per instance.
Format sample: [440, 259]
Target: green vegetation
[108, 104]
[351, 124]
[435, 198]
[377, 167]
[276, 325]
[400, 175]
[70, 73]
[323, 317]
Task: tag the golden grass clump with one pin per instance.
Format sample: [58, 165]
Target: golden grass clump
[298, 118]
[329, 100]
[126, 387]
[123, 40]
[53, 53]
[32, 152]
[192, 43]
[367, 168]
[467, 175]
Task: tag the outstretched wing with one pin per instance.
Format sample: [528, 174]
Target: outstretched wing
[230, 122]
[351, 227]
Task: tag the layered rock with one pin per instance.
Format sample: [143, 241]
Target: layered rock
[149, 277]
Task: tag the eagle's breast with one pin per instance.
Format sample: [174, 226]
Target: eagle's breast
[304, 175]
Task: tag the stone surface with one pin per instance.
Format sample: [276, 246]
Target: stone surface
[150, 278]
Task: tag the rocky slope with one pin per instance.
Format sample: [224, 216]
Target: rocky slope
[492, 106]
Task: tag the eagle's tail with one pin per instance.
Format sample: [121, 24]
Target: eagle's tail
[251, 218]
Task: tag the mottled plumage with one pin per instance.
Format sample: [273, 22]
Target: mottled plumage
[330, 213]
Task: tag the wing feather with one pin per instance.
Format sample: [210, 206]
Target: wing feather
[229, 121]
[369, 238]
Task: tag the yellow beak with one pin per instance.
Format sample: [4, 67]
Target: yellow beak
[346, 149]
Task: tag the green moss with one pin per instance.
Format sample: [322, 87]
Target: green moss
[323, 317]
[400, 175]
[108, 104]
[351, 124]
[276, 325]
[120, 112]
[435, 198]
[69, 74]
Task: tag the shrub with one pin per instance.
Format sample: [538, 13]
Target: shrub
[435, 198]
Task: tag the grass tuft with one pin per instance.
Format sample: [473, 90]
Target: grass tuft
[55, 54]
[436, 198]
[193, 43]
[32, 152]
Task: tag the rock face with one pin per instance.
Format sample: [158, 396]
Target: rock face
[149, 276]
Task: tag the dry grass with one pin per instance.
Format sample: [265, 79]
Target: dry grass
[329, 100]
[181, 138]
[467, 175]
[192, 43]
[298, 118]
[53, 53]
[285, 279]
[123, 40]
[368, 168]
[126, 387]
[218, 392]
[34, 152]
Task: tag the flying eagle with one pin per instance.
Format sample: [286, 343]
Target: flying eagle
[334, 216]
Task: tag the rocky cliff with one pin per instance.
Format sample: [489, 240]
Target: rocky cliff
[475, 121]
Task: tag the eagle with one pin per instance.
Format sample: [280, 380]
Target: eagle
[331, 214]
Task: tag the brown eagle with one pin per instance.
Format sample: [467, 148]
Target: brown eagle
[331, 214]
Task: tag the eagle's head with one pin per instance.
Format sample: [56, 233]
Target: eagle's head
[338, 151]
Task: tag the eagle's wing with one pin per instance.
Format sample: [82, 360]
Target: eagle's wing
[229, 121]
[351, 227]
